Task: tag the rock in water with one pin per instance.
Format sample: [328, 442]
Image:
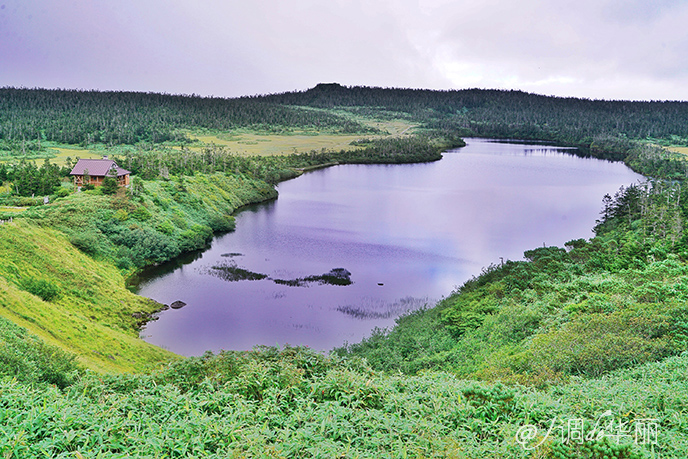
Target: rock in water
[177, 304]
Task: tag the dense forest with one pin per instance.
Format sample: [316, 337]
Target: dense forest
[508, 114]
[567, 334]
[29, 116]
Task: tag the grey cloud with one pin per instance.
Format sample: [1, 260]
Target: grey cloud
[591, 48]
[568, 41]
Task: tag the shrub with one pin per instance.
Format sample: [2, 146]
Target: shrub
[141, 214]
[195, 237]
[109, 186]
[146, 245]
[221, 222]
[468, 312]
[63, 192]
[165, 227]
[121, 215]
[599, 343]
[43, 289]
[86, 241]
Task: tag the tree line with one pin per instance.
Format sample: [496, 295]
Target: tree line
[28, 116]
[157, 163]
[508, 113]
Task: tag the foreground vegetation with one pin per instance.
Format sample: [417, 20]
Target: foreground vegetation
[592, 335]
[298, 403]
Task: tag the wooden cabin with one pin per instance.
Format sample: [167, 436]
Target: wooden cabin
[96, 170]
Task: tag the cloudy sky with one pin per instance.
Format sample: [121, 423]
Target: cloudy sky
[603, 49]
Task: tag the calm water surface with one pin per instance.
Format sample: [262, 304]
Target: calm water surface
[408, 234]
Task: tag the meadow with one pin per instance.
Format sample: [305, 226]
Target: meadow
[250, 142]
[682, 150]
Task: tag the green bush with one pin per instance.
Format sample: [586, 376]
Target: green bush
[165, 227]
[599, 343]
[468, 312]
[141, 214]
[196, 237]
[87, 241]
[63, 192]
[219, 222]
[43, 289]
[146, 245]
[121, 215]
[109, 186]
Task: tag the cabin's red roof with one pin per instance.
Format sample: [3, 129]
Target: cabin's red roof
[97, 167]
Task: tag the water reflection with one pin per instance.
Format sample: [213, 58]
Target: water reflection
[375, 308]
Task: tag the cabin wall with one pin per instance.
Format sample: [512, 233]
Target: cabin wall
[98, 180]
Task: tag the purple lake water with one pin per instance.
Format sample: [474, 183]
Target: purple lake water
[408, 234]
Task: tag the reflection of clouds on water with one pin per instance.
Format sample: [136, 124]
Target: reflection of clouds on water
[376, 308]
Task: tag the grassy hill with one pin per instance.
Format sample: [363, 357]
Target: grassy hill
[71, 300]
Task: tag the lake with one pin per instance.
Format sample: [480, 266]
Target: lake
[404, 236]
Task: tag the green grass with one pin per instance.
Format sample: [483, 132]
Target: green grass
[10, 209]
[90, 312]
[62, 152]
[277, 144]
[56, 153]
[165, 219]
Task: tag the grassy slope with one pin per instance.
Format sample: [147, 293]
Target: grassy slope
[168, 216]
[588, 311]
[92, 314]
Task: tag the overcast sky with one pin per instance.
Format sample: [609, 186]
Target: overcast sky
[602, 49]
